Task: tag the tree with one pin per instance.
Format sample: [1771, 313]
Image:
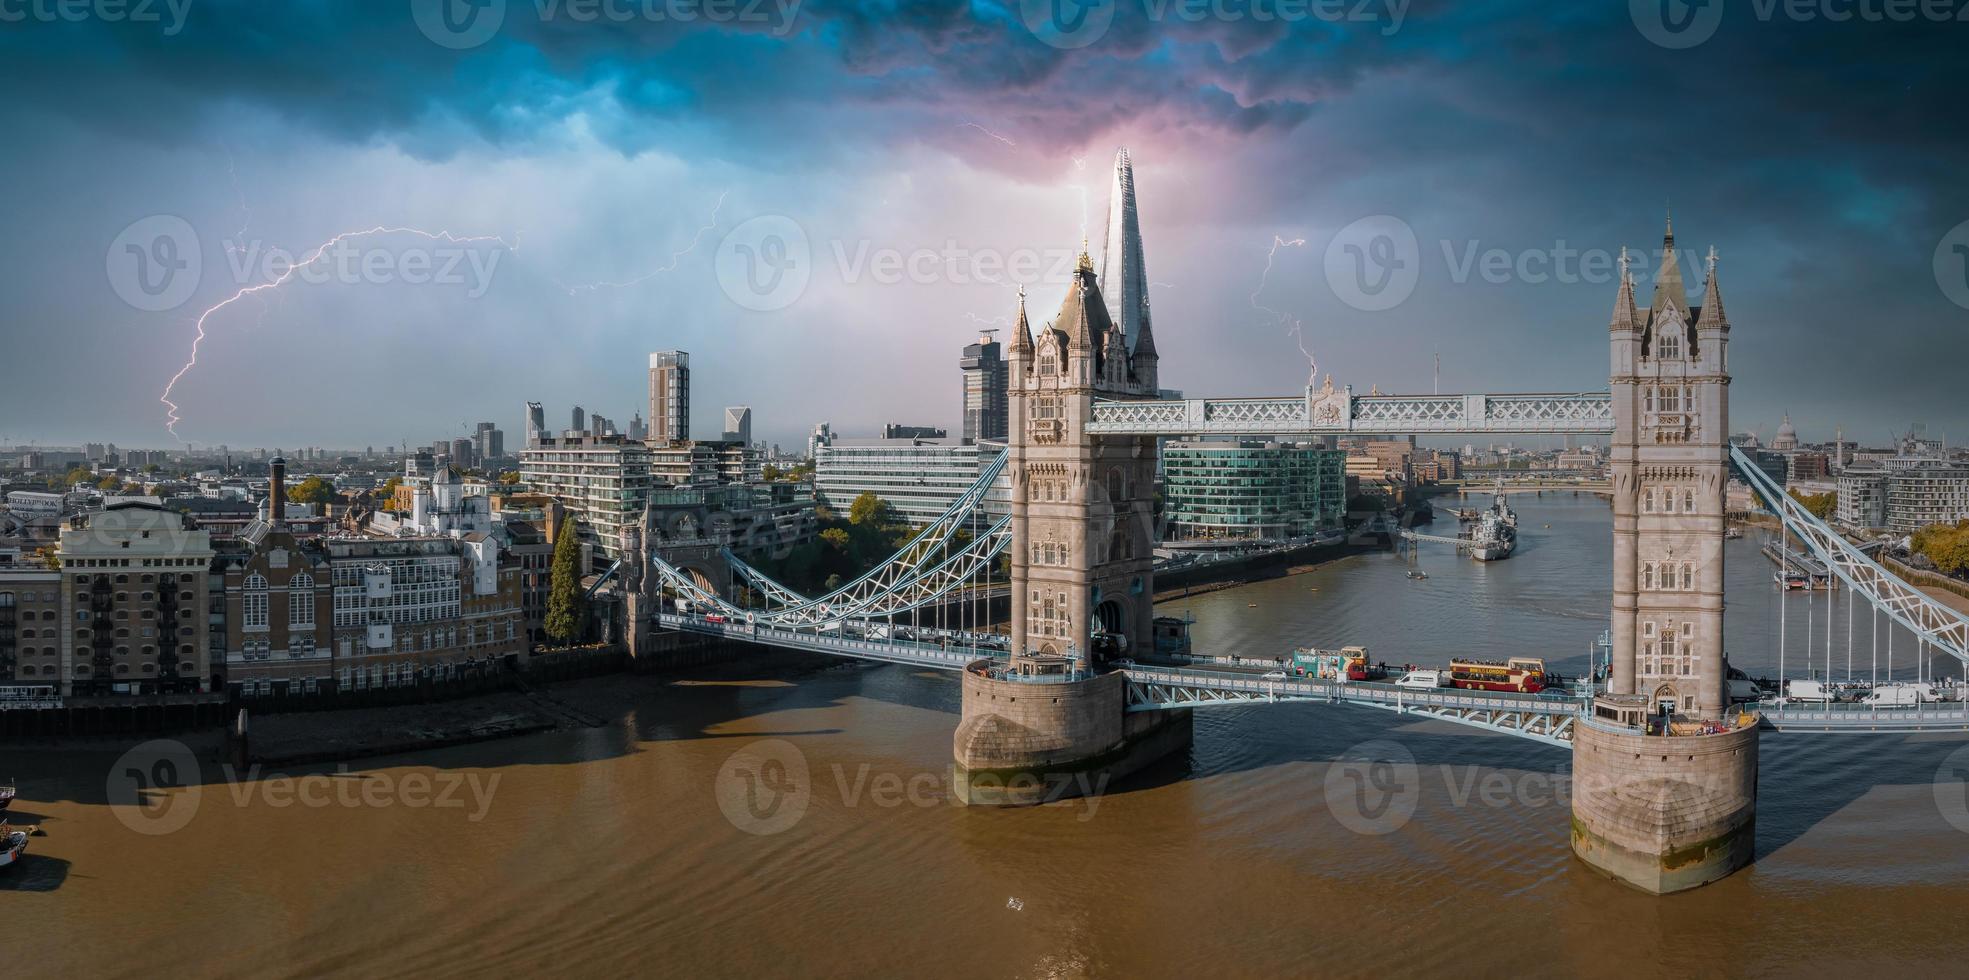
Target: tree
[835, 538]
[564, 613]
[510, 477]
[770, 471]
[868, 510]
[313, 490]
[109, 483]
[1820, 505]
[79, 474]
[51, 556]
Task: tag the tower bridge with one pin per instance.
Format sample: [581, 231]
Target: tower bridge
[1664, 766]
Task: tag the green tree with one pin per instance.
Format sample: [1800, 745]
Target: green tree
[835, 538]
[1821, 505]
[50, 555]
[868, 510]
[770, 471]
[313, 490]
[510, 477]
[564, 587]
[79, 474]
[109, 483]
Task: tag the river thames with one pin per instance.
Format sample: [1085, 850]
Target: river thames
[629, 848]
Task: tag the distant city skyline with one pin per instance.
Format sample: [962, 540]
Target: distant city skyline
[569, 219]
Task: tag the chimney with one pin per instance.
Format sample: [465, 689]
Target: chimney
[277, 492]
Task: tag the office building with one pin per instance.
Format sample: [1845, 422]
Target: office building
[1251, 489]
[577, 420]
[893, 431]
[669, 396]
[919, 479]
[822, 435]
[738, 424]
[985, 406]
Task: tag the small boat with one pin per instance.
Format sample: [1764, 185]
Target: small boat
[1417, 575]
[13, 844]
[1732, 533]
[6, 795]
[1250, 605]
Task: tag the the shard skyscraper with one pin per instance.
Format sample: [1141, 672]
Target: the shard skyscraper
[1124, 279]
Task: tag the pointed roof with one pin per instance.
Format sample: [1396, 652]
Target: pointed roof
[1668, 281]
[1083, 319]
[1625, 316]
[1022, 330]
[1712, 316]
[1122, 268]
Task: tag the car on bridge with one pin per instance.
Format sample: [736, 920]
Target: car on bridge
[1423, 678]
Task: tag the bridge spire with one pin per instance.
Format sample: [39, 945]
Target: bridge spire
[1022, 329]
[1626, 319]
[1712, 316]
[1668, 282]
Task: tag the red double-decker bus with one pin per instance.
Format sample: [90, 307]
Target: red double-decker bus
[1524, 675]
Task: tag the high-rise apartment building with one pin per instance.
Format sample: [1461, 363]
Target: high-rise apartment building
[536, 423]
[738, 424]
[983, 365]
[669, 396]
[578, 420]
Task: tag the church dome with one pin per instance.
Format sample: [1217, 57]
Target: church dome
[1787, 437]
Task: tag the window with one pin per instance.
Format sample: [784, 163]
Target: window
[253, 603]
[1669, 344]
[300, 601]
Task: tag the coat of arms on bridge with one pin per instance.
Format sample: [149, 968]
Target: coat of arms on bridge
[1328, 408]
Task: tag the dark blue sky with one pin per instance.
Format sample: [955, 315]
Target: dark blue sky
[599, 143]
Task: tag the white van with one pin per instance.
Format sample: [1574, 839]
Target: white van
[1423, 678]
[1898, 696]
[1809, 692]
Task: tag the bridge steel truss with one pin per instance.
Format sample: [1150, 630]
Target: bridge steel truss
[928, 569]
[1589, 412]
[1930, 621]
[1548, 721]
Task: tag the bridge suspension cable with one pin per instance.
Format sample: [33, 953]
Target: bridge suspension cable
[1933, 624]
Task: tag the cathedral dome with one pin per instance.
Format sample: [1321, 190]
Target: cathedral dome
[1787, 437]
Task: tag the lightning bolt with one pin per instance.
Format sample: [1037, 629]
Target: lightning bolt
[675, 257]
[1296, 331]
[987, 132]
[171, 408]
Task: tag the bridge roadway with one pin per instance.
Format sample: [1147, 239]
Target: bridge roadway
[1155, 688]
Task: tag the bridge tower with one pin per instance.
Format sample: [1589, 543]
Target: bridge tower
[1082, 542]
[1667, 805]
[1082, 505]
[1671, 392]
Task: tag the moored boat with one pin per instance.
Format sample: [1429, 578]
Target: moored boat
[13, 844]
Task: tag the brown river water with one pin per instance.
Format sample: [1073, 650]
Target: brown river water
[788, 816]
